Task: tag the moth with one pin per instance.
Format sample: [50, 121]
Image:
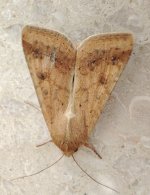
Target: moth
[73, 83]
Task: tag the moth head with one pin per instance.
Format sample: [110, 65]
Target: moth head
[69, 148]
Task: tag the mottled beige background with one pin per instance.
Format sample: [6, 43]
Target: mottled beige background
[122, 135]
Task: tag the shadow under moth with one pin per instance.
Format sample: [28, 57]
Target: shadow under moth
[74, 83]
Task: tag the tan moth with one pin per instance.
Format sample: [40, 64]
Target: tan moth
[74, 83]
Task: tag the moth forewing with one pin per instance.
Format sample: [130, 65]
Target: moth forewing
[99, 63]
[51, 60]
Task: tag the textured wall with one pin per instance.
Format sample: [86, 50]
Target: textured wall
[122, 135]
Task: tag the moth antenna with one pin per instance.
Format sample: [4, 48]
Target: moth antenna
[22, 177]
[90, 146]
[34, 106]
[44, 143]
[93, 178]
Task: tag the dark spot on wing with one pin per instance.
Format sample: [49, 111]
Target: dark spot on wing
[63, 62]
[114, 60]
[37, 53]
[103, 79]
[45, 92]
[41, 75]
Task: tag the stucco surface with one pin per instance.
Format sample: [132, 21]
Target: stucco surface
[122, 134]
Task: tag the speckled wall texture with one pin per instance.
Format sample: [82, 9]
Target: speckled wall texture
[122, 135]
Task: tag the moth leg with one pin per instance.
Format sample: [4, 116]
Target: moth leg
[34, 106]
[44, 143]
[90, 146]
